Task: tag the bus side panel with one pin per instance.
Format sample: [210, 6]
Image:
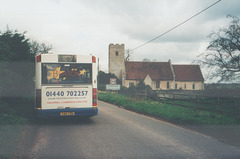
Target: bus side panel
[94, 84]
[37, 84]
[94, 75]
[38, 76]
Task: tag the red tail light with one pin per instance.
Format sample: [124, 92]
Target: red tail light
[93, 59]
[39, 58]
[94, 96]
[38, 98]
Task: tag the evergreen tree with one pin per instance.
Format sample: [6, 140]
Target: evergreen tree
[16, 64]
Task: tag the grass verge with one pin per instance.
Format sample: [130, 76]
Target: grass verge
[168, 112]
[13, 116]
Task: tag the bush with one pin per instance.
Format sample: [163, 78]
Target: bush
[8, 115]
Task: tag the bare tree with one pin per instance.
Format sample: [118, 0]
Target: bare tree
[128, 55]
[39, 48]
[146, 60]
[222, 55]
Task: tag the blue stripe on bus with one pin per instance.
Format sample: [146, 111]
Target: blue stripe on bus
[56, 112]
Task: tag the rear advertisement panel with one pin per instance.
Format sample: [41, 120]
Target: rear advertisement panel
[66, 85]
[66, 97]
[60, 73]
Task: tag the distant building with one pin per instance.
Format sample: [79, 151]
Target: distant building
[158, 75]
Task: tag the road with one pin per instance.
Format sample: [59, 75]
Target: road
[118, 133]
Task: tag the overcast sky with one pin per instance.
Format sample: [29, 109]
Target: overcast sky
[89, 26]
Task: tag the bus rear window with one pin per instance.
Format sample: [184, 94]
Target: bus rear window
[66, 73]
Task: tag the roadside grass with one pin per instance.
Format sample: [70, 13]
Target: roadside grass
[230, 105]
[14, 114]
[168, 112]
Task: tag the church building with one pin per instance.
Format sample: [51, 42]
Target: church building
[158, 75]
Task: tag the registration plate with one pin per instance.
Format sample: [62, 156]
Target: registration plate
[67, 113]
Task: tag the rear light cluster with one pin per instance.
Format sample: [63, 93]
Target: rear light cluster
[94, 96]
[39, 58]
[38, 98]
[93, 59]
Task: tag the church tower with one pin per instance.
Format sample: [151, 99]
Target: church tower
[116, 64]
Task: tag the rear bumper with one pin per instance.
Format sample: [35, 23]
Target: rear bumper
[66, 112]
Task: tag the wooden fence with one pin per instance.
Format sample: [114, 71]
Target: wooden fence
[229, 105]
[214, 104]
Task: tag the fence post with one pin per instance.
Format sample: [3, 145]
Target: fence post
[173, 100]
[197, 101]
[235, 105]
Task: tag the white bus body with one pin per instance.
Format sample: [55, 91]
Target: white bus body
[66, 85]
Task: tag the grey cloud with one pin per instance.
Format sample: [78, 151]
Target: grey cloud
[144, 20]
[224, 8]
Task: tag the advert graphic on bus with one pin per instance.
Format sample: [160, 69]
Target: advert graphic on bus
[66, 73]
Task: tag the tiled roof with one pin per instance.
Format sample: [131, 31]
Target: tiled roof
[162, 71]
[187, 73]
[156, 70]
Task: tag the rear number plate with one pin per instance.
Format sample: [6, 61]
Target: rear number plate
[67, 113]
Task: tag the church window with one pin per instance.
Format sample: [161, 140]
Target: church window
[168, 85]
[131, 84]
[157, 84]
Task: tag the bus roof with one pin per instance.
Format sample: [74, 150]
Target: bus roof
[65, 58]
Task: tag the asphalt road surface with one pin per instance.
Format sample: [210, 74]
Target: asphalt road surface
[118, 133]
